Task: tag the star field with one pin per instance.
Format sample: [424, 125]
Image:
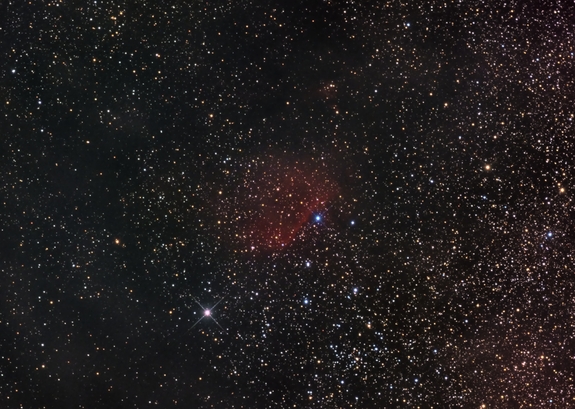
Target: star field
[305, 204]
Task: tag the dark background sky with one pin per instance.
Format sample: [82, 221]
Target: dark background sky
[378, 197]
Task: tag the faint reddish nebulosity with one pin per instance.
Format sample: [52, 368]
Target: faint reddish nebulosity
[275, 197]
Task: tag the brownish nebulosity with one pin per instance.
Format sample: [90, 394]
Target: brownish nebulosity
[264, 205]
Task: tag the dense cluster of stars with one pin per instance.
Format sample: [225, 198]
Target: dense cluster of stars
[310, 204]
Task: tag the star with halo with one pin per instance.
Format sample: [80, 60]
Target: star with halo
[207, 313]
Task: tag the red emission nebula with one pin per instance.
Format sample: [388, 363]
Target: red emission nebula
[273, 199]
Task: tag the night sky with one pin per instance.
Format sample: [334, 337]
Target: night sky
[287, 204]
